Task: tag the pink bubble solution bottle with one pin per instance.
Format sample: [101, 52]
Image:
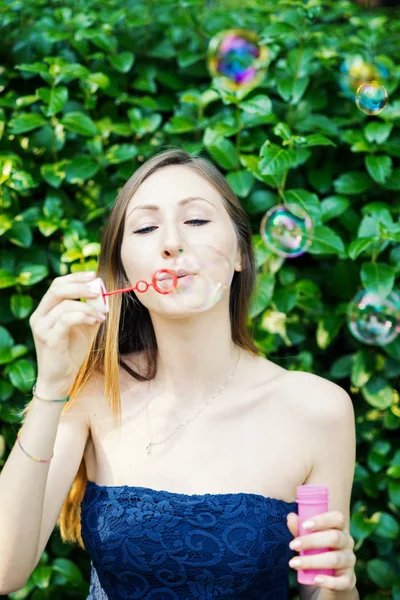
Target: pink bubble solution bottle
[311, 500]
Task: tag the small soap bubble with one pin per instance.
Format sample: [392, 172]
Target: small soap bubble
[287, 230]
[236, 59]
[372, 98]
[210, 277]
[373, 319]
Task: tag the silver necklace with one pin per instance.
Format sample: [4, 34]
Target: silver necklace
[150, 444]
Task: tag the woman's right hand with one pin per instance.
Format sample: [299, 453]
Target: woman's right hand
[63, 328]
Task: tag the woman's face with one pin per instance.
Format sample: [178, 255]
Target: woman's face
[176, 219]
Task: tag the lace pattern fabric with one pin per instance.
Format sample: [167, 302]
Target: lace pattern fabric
[150, 544]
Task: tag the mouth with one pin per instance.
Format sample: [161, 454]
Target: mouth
[181, 273]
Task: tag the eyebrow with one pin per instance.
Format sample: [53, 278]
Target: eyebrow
[180, 203]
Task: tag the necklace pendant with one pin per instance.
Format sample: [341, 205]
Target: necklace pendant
[148, 448]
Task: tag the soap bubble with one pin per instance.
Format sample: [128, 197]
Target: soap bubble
[373, 319]
[236, 59]
[372, 98]
[287, 230]
[210, 277]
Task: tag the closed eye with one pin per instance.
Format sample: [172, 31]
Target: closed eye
[194, 223]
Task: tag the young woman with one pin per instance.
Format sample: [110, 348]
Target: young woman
[177, 458]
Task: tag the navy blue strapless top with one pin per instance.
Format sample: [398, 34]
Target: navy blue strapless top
[157, 545]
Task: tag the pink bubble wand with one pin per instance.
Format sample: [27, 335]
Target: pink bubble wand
[141, 286]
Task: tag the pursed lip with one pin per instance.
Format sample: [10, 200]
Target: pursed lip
[179, 272]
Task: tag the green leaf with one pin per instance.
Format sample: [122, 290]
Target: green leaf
[179, 125]
[378, 278]
[20, 234]
[122, 62]
[378, 393]
[81, 168]
[80, 123]
[21, 374]
[307, 201]
[68, 569]
[292, 89]
[341, 368]
[263, 294]
[393, 181]
[378, 132]
[328, 329]
[326, 241]
[6, 340]
[360, 245]
[352, 182]
[241, 181]
[26, 122]
[7, 279]
[382, 573]
[120, 153]
[31, 274]
[316, 139]
[56, 98]
[222, 151]
[333, 206]
[259, 106]
[387, 527]
[21, 306]
[274, 160]
[54, 173]
[363, 368]
[379, 167]
[41, 576]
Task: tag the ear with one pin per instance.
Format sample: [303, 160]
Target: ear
[239, 263]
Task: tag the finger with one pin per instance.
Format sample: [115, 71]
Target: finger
[328, 520]
[63, 327]
[50, 320]
[333, 538]
[337, 559]
[68, 286]
[292, 521]
[341, 583]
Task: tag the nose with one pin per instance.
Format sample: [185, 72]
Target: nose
[171, 252]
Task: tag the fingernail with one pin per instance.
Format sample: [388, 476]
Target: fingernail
[308, 524]
[295, 562]
[295, 544]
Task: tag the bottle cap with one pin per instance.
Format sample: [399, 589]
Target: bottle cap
[312, 494]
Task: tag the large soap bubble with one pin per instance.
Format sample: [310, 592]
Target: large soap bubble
[208, 278]
[237, 60]
[287, 230]
[373, 319]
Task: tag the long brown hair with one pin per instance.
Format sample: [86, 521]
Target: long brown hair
[128, 327]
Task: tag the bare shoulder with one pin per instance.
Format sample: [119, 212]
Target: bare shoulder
[317, 398]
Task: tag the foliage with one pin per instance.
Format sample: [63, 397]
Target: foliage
[91, 88]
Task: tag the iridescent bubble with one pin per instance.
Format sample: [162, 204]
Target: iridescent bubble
[209, 277]
[236, 59]
[373, 319]
[287, 230]
[372, 98]
[355, 71]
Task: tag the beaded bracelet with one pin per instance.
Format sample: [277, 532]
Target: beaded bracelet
[45, 399]
[30, 455]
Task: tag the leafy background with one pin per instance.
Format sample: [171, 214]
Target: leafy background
[89, 89]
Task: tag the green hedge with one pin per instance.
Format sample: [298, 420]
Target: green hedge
[91, 90]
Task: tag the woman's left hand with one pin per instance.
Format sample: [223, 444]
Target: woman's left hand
[329, 533]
